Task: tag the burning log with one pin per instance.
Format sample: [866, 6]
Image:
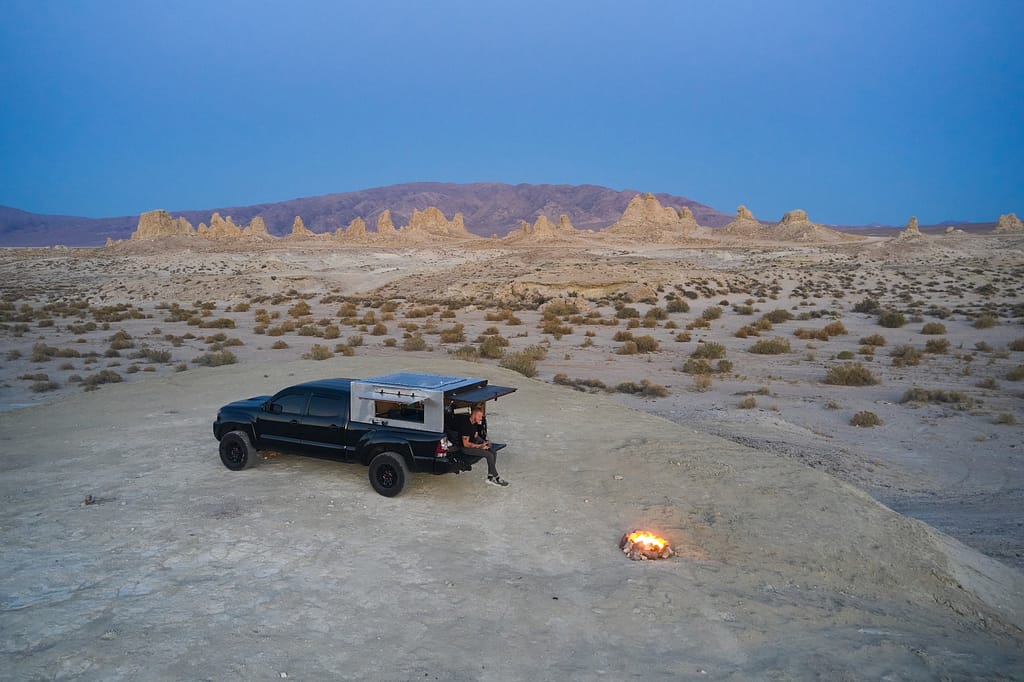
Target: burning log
[641, 545]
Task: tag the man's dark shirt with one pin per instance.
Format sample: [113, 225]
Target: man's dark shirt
[468, 428]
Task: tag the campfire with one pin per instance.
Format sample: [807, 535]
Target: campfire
[641, 546]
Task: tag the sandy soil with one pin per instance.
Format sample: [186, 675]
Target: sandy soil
[786, 570]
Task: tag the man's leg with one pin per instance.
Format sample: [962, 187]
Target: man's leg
[491, 457]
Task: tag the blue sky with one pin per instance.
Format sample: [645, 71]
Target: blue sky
[858, 112]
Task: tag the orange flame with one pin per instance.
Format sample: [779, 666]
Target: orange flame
[648, 540]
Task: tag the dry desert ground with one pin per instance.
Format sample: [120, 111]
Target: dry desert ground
[830, 436]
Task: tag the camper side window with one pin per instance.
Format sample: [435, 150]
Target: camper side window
[410, 412]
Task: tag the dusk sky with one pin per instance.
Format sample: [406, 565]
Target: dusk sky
[858, 111]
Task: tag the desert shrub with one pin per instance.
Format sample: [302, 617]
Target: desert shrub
[868, 305]
[390, 342]
[623, 335]
[646, 344]
[355, 340]
[318, 352]
[748, 403]
[711, 313]
[14, 354]
[724, 366]
[811, 334]
[627, 348]
[708, 350]
[905, 355]
[937, 346]
[645, 388]
[379, 329]
[331, 331]
[834, 329]
[300, 309]
[454, 334]
[625, 312]
[677, 305]
[985, 321]
[44, 386]
[873, 340]
[845, 355]
[683, 337]
[989, 383]
[891, 319]
[1005, 418]
[850, 374]
[655, 313]
[280, 345]
[121, 340]
[1016, 344]
[778, 315]
[555, 328]
[922, 395]
[865, 419]
[219, 323]
[104, 376]
[590, 385]
[933, 328]
[561, 308]
[466, 352]
[344, 349]
[414, 343]
[38, 376]
[1015, 374]
[215, 359]
[773, 346]
[696, 366]
[521, 362]
[131, 369]
[536, 352]
[493, 347]
[701, 382]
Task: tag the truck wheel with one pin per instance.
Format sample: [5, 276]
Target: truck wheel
[388, 473]
[237, 451]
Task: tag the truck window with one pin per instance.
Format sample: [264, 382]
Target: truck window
[324, 406]
[291, 403]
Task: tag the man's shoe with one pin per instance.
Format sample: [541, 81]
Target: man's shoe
[497, 480]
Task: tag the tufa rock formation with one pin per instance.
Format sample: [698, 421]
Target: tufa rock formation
[745, 226]
[1007, 224]
[220, 228]
[300, 231]
[355, 232]
[646, 220]
[796, 227]
[911, 230]
[257, 230]
[431, 222]
[385, 227]
[159, 224]
[544, 231]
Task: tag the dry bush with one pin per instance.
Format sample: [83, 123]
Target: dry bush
[701, 382]
[811, 334]
[626, 313]
[850, 374]
[922, 395]
[873, 340]
[1006, 419]
[645, 388]
[1015, 374]
[646, 344]
[777, 316]
[773, 346]
[834, 329]
[677, 305]
[105, 376]
[627, 348]
[318, 352]
[748, 403]
[215, 359]
[865, 419]
[454, 334]
[44, 386]
[696, 366]
[905, 355]
[344, 349]
[936, 346]
[493, 347]
[986, 321]
[561, 308]
[933, 328]
[121, 340]
[588, 385]
[709, 350]
[521, 362]
[467, 352]
[989, 383]
[555, 327]
[891, 319]
[1016, 344]
[300, 309]
[868, 305]
[414, 343]
[279, 345]
[623, 335]
[711, 313]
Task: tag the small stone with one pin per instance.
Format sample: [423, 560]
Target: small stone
[617, 477]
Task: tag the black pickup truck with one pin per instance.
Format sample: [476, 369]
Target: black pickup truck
[394, 424]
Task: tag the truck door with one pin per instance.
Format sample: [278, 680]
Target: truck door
[323, 426]
[279, 425]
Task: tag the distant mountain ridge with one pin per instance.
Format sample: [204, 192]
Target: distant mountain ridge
[488, 208]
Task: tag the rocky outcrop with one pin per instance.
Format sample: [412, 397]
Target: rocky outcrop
[385, 226]
[543, 231]
[220, 228]
[430, 223]
[356, 232]
[645, 220]
[300, 231]
[745, 226]
[1007, 224]
[257, 230]
[912, 230]
[796, 227]
[159, 224]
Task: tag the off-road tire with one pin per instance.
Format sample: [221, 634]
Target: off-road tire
[388, 473]
[237, 451]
